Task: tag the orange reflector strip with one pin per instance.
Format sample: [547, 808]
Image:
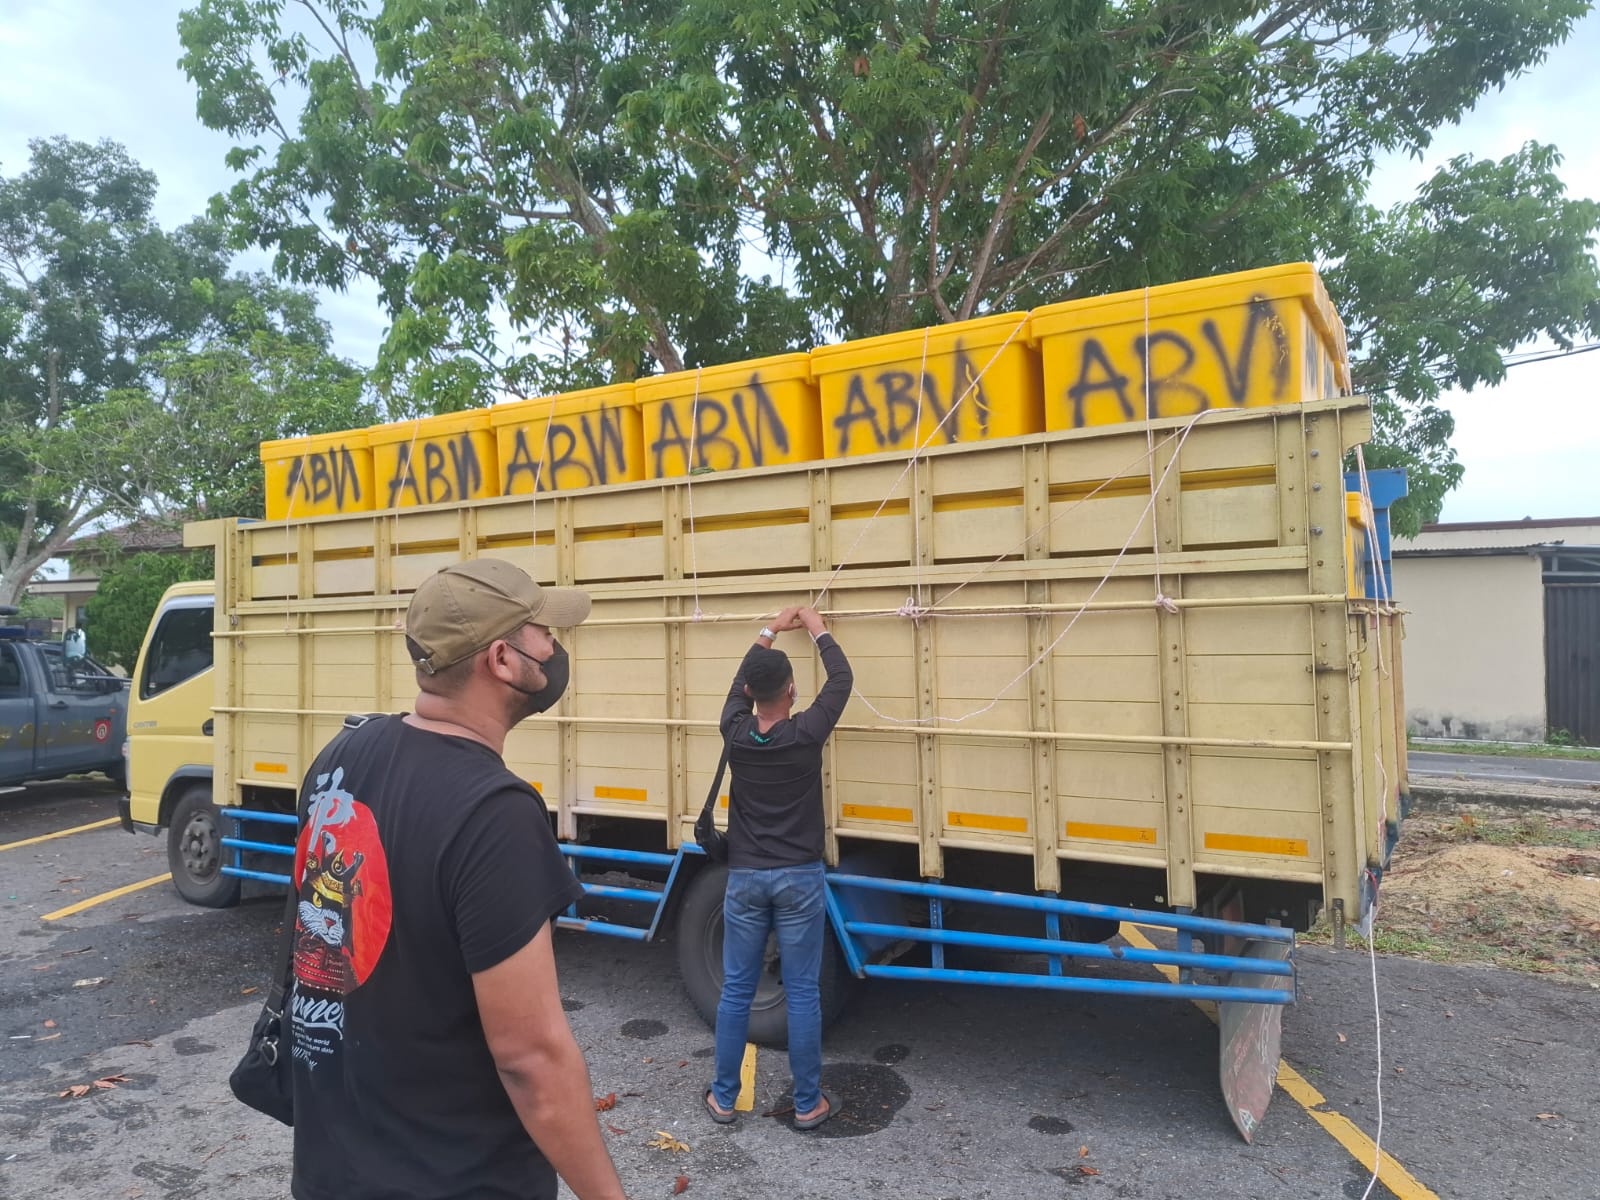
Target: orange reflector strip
[722, 802]
[270, 768]
[1111, 833]
[1286, 847]
[961, 820]
[615, 793]
[876, 812]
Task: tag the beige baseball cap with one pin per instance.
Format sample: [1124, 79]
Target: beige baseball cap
[460, 610]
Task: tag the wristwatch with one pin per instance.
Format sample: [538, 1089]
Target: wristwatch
[768, 634]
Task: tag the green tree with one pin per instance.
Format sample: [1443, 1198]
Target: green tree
[108, 327]
[119, 612]
[595, 172]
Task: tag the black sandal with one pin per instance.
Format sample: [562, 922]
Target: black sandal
[717, 1115]
[832, 1106]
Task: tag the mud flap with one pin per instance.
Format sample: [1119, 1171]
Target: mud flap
[1251, 1038]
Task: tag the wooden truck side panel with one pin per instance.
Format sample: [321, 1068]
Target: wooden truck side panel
[1048, 665]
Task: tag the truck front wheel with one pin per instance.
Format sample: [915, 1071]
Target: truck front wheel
[195, 852]
[699, 938]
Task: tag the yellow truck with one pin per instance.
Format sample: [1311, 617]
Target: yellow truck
[1137, 668]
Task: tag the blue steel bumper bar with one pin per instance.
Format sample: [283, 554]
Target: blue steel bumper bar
[578, 854]
[1052, 909]
[239, 844]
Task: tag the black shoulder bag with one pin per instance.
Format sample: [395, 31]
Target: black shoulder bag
[711, 839]
[264, 1078]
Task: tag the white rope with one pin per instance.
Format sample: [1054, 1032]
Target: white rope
[688, 487]
[1121, 472]
[1162, 600]
[1050, 649]
[915, 602]
[915, 454]
[1369, 931]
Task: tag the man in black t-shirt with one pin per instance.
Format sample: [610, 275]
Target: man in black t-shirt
[432, 1057]
[775, 871]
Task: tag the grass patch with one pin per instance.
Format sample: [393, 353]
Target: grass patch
[1505, 749]
[1532, 830]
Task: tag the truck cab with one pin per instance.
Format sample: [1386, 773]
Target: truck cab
[60, 713]
[170, 743]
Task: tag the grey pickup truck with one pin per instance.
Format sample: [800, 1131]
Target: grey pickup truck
[60, 713]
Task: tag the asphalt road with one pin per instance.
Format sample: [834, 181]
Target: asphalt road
[1488, 1077]
[1577, 771]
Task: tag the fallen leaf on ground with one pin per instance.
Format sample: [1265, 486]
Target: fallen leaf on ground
[1342, 1038]
[680, 1185]
[49, 1024]
[1083, 1152]
[605, 1103]
[70, 953]
[779, 1112]
[615, 1128]
[71, 879]
[248, 991]
[1087, 1171]
[684, 1063]
[44, 966]
[93, 981]
[665, 1141]
[49, 1037]
[138, 1042]
[1549, 1116]
[110, 1081]
[77, 1091]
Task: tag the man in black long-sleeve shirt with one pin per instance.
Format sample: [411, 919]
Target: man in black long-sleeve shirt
[775, 870]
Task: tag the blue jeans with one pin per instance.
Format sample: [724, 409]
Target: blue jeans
[789, 901]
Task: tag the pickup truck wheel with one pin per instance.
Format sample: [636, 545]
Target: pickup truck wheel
[699, 938]
[195, 852]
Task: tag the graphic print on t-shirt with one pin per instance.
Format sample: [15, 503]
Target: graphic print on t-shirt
[344, 915]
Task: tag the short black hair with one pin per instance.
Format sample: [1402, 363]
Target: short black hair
[767, 673]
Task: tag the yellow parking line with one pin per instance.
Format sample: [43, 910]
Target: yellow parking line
[747, 1080]
[103, 897]
[1341, 1128]
[45, 837]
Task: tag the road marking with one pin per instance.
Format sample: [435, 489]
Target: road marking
[103, 897]
[45, 837]
[1341, 1128]
[747, 1080]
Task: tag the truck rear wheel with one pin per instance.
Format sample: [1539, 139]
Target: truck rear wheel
[195, 853]
[699, 938]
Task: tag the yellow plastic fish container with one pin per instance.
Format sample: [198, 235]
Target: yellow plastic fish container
[757, 413]
[1261, 337]
[318, 476]
[986, 370]
[434, 460]
[579, 439]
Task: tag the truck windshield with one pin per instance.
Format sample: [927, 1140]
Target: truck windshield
[180, 649]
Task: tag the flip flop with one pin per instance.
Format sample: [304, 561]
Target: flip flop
[716, 1115]
[816, 1121]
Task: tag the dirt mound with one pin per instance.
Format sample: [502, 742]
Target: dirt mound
[1475, 873]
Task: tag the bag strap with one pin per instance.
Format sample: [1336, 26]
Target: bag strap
[716, 780]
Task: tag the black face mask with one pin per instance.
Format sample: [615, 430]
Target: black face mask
[557, 672]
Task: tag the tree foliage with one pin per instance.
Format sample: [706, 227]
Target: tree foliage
[131, 358]
[593, 175]
[119, 612]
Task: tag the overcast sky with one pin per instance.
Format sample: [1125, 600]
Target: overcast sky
[95, 69]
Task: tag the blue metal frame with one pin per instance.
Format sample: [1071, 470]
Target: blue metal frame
[1051, 908]
[857, 936]
[238, 843]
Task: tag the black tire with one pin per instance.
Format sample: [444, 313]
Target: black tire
[195, 853]
[699, 939]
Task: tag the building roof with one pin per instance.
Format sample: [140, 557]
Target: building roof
[147, 533]
[1501, 537]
